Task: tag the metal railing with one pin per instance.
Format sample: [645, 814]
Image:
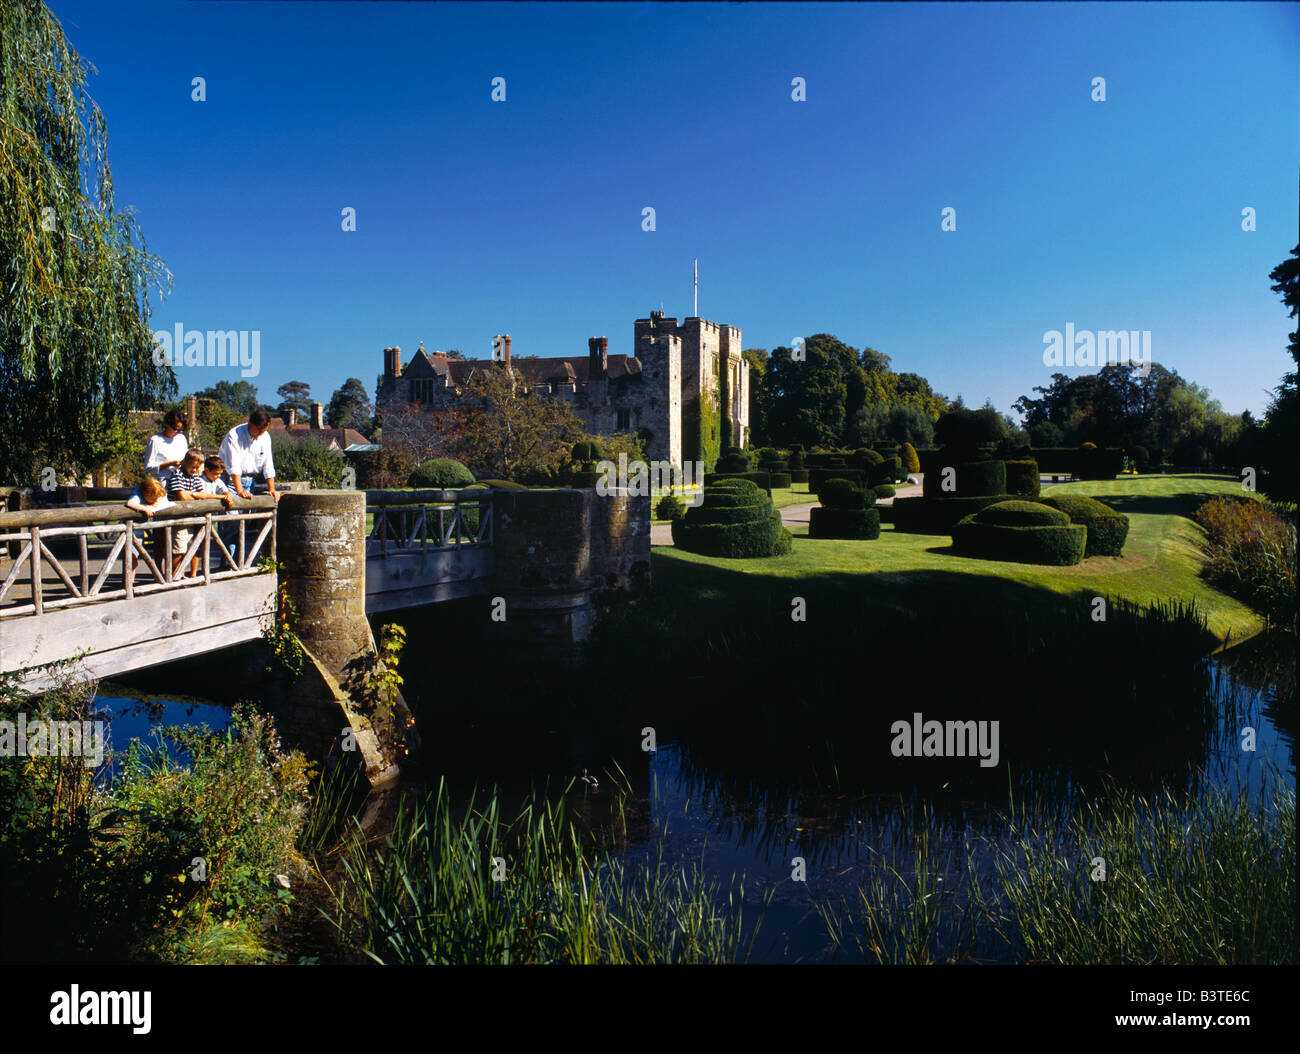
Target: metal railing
[98, 553]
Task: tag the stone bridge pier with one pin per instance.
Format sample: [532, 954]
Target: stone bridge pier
[335, 706]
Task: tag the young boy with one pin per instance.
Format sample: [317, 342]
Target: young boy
[185, 484]
[150, 497]
[213, 486]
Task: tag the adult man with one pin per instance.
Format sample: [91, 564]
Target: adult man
[246, 450]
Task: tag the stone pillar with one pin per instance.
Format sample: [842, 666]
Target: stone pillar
[321, 544]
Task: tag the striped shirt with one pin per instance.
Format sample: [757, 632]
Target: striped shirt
[179, 481]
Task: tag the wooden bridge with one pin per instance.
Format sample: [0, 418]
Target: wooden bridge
[98, 583]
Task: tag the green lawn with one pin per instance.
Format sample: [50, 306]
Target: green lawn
[1161, 562]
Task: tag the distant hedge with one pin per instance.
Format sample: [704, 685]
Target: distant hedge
[1107, 529]
[818, 476]
[670, 507]
[844, 494]
[884, 490]
[736, 519]
[780, 480]
[496, 484]
[798, 475]
[1022, 478]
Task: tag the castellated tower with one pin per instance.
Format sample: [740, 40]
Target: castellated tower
[661, 373]
[706, 348]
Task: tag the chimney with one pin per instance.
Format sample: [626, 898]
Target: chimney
[317, 417]
[505, 342]
[598, 350]
[192, 416]
[290, 417]
[397, 360]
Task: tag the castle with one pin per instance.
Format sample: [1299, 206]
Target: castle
[670, 390]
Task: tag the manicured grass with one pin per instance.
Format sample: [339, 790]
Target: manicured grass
[1161, 560]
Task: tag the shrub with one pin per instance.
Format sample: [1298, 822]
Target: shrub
[796, 461]
[733, 462]
[1022, 478]
[759, 479]
[832, 522]
[909, 457]
[890, 470]
[1060, 546]
[1021, 514]
[818, 476]
[979, 478]
[798, 475]
[781, 480]
[439, 473]
[867, 459]
[735, 520]
[588, 450]
[1251, 546]
[844, 494]
[883, 490]
[1107, 529]
[1141, 457]
[938, 515]
[309, 460]
[496, 484]
[768, 453]
[669, 507]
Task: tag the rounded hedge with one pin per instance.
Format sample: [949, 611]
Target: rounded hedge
[497, 484]
[441, 473]
[736, 520]
[1021, 514]
[798, 475]
[781, 479]
[884, 490]
[669, 507]
[1107, 529]
[911, 461]
[868, 458]
[1059, 546]
[830, 522]
[842, 494]
[733, 463]
[587, 451]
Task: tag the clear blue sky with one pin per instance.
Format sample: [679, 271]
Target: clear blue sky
[475, 217]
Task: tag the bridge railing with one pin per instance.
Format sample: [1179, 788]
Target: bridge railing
[98, 553]
[411, 521]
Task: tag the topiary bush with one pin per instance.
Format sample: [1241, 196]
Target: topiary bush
[908, 455]
[441, 473]
[884, 490]
[736, 519]
[938, 515]
[977, 479]
[781, 480]
[798, 475]
[497, 484]
[1022, 478]
[818, 476]
[670, 507]
[844, 494]
[866, 459]
[1107, 529]
[587, 450]
[856, 524]
[762, 480]
[1014, 531]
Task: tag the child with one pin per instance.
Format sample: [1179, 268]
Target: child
[150, 497]
[213, 486]
[185, 484]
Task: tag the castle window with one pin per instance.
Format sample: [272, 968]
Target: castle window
[624, 420]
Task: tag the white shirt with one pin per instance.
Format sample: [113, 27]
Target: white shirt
[247, 457]
[162, 449]
[162, 503]
[213, 486]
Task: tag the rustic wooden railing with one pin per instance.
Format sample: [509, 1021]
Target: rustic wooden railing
[408, 521]
[70, 542]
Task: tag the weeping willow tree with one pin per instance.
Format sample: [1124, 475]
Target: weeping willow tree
[76, 351]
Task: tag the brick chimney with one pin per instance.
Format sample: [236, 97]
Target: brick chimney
[598, 350]
[397, 360]
[192, 416]
[317, 416]
[290, 417]
[505, 341]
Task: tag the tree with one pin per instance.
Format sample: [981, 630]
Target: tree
[350, 408]
[239, 396]
[758, 408]
[456, 353]
[294, 395]
[811, 399]
[76, 351]
[505, 430]
[1278, 442]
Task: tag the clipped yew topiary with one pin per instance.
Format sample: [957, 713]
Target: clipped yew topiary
[441, 473]
[1024, 532]
[1107, 529]
[884, 490]
[977, 479]
[911, 460]
[844, 512]
[670, 507]
[736, 519]
[1022, 478]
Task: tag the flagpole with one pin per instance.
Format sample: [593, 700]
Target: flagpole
[697, 287]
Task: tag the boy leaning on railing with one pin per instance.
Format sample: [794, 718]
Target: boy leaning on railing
[189, 484]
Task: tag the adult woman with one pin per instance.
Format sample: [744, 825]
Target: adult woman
[162, 456]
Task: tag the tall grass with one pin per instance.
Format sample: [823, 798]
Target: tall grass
[1251, 551]
[1205, 880]
[474, 888]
